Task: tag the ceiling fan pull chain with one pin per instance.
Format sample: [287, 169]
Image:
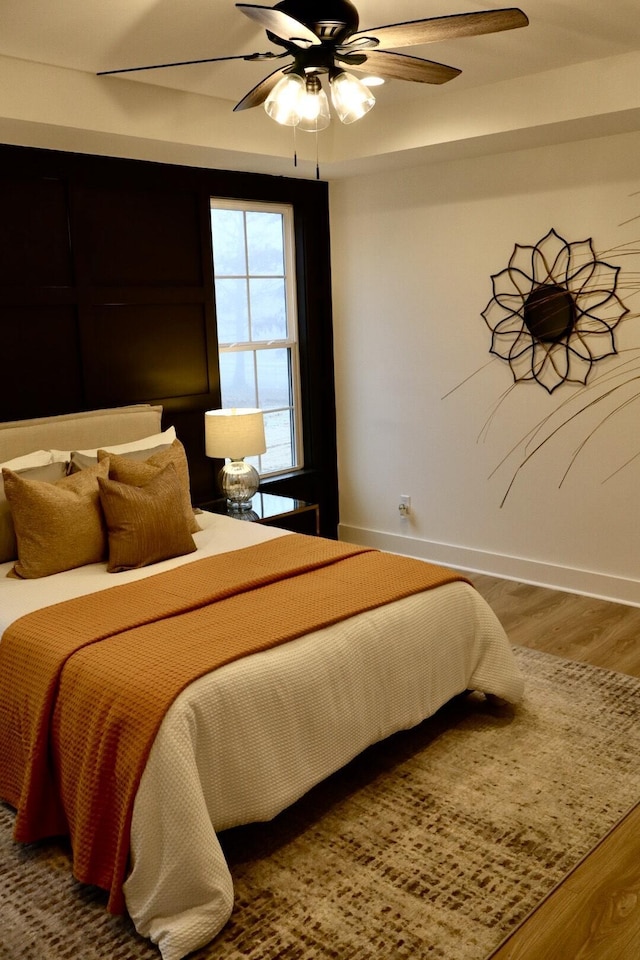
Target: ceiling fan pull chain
[317, 159]
[295, 148]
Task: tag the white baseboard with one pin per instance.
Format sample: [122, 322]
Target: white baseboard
[572, 580]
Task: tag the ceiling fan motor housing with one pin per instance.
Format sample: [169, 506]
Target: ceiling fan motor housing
[333, 20]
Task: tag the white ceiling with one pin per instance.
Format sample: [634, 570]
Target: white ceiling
[93, 35]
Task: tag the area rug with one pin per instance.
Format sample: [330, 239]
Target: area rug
[433, 844]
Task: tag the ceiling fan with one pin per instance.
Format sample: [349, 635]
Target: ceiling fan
[322, 37]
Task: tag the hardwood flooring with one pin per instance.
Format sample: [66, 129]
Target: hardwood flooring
[578, 628]
[595, 913]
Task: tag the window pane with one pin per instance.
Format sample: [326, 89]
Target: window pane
[237, 379]
[232, 310]
[265, 243]
[268, 309]
[229, 252]
[279, 436]
[274, 379]
[254, 276]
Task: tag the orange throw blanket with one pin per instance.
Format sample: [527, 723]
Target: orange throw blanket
[85, 684]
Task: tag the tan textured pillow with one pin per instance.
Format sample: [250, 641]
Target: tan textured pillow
[58, 525]
[145, 524]
[8, 544]
[80, 460]
[138, 473]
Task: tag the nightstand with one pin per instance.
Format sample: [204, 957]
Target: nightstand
[274, 511]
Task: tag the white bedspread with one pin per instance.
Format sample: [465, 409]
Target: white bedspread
[242, 743]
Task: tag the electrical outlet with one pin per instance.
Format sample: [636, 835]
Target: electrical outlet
[404, 505]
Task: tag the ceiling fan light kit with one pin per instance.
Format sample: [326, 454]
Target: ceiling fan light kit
[300, 102]
[322, 37]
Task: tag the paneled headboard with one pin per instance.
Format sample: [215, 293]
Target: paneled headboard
[78, 431]
[107, 298]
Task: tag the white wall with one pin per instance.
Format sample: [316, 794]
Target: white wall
[425, 410]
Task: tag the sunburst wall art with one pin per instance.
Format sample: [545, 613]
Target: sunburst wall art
[553, 316]
[554, 311]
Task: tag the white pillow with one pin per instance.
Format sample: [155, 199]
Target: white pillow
[168, 436]
[39, 458]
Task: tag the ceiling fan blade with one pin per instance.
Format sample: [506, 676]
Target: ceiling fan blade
[188, 63]
[444, 28]
[398, 66]
[261, 91]
[280, 24]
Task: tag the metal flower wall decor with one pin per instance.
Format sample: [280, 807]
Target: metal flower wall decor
[554, 311]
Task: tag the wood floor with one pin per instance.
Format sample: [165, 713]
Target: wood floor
[595, 913]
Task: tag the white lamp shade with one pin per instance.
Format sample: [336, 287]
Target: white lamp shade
[350, 97]
[282, 104]
[234, 433]
[313, 107]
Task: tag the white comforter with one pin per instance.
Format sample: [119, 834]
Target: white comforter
[242, 743]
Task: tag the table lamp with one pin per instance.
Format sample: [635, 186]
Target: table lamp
[234, 434]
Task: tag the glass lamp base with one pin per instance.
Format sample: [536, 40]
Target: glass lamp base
[238, 482]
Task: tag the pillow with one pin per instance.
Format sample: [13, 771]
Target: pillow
[39, 458]
[80, 461]
[145, 524]
[49, 473]
[167, 436]
[138, 473]
[58, 525]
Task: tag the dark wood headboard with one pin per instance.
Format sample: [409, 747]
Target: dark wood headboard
[107, 298]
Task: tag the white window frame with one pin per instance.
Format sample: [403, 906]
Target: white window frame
[291, 342]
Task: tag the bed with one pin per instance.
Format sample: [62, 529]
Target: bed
[242, 742]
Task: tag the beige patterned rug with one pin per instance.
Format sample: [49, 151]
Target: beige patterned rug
[434, 844]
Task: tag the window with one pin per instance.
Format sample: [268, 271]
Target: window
[253, 266]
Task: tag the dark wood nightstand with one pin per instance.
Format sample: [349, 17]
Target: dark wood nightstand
[274, 511]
